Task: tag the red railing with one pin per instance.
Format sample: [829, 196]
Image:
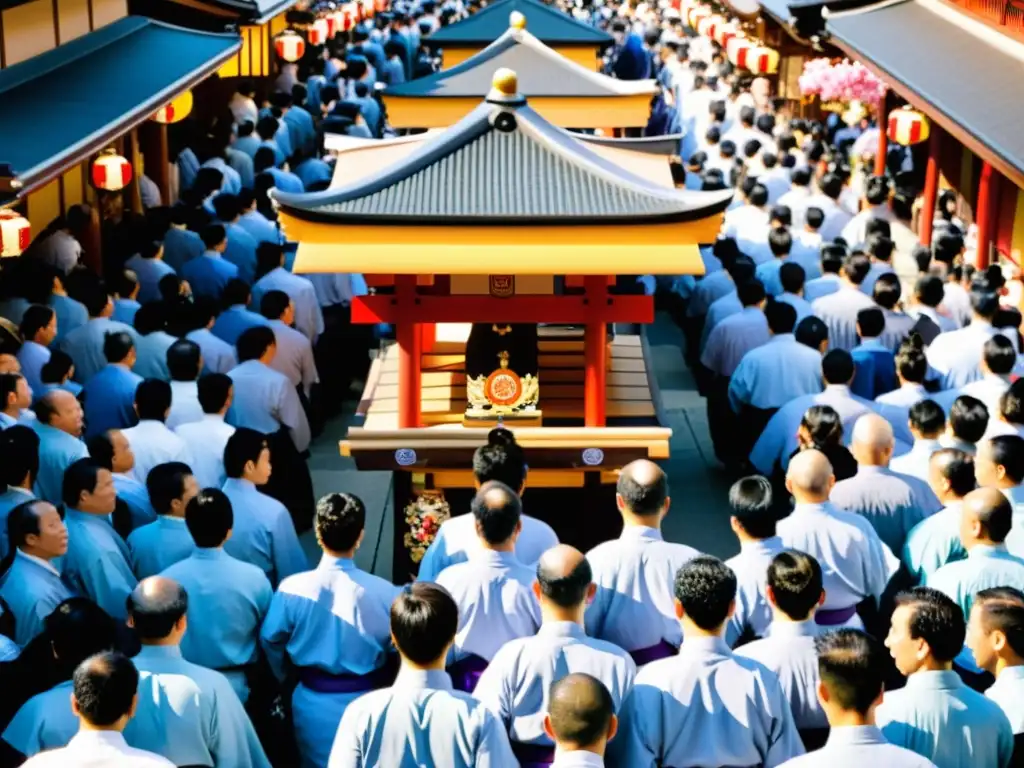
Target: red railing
[1006, 15]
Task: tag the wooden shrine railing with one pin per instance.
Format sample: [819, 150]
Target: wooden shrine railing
[1005, 15]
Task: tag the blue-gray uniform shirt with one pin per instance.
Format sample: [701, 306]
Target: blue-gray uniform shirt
[309, 318]
[720, 308]
[108, 399]
[227, 602]
[241, 251]
[43, 722]
[136, 497]
[705, 707]
[516, 684]
[85, 345]
[264, 535]
[32, 589]
[348, 633]
[839, 312]
[892, 503]
[898, 326]
[157, 546]
[125, 311]
[57, 451]
[151, 355]
[775, 373]
[457, 537]
[97, 562]
[9, 499]
[190, 714]
[855, 563]
[265, 400]
[934, 542]
[752, 612]
[985, 567]
[420, 721]
[799, 303]
[218, 355]
[259, 227]
[710, 288]
[957, 355]
[788, 651]
[732, 338]
[150, 272]
[858, 746]
[1008, 692]
[294, 357]
[208, 273]
[33, 357]
[940, 718]
[71, 314]
[181, 245]
[915, 462]
[234, 321]
[826, 285]
[634, 606]
[494, 593]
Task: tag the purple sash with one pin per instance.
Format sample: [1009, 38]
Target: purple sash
[834, 617]
[320, 681]
[466, 672]
[533, 755]
[662, 650]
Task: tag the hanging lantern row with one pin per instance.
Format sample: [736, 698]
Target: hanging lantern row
[908, 126]
[289, 46]
[110, 172]
[176, 110]
[15, 233]
[740, 50]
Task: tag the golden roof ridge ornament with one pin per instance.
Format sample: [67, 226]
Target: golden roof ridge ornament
[505, 88]
[516, 20]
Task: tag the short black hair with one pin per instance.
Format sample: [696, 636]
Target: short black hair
[117, 345]
[497, 511]
[758, 195]
[811, 332]
[780, 241]
[153, 399]
[35, 318]
[57, 368]
[254, 342]
[273, 304]
[166, 483]
[226, 206]
[1002, 609]
[214, 389]
[643, 499]
[871, 322]
[105, 686]
[19, 454]
[801, 177]
[879, 246]
[856, 267]
[753, 506]
[1000, 355]
[927, 417]
[781, 317]
[837, 367]
[968, 418]
[796, 581]
[268, 257]
[501, 459]
[930, 291]
[155, 613]
[209, 516]
[852, 666]
[151, 317]
[338, 521]
[751, 292]
[213, 235]
[876, 190]
[81, 477]
[424, 619]
[814, 216]
[792, 277]
[183, 360]
[887, 291]
[936, 619]
[912, 364]
[832, 257]
[781, 213]
[236, 291]
[580, 709]
[101, 450]
[1011, 405]
[706, 587]
[957, 467]
[984, 303]
[1008, 452]
[569, 590]
[243, 446]
[77, 629]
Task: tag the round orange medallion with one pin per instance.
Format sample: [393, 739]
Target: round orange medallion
[503, 387]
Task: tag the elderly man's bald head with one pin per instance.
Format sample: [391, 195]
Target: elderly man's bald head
[580, 712]
[872, 440]
[564, 577]
[809, 477]
[988, 517]
[497, 510]
[157, 607]
[642, 489]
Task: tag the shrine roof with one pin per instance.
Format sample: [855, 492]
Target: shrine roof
[504, 164]
[549, 24]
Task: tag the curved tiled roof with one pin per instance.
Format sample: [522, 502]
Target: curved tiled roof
[549, 24]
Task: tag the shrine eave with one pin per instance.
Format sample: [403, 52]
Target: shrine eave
[550, 25]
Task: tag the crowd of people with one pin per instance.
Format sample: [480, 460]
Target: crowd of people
[157, 607]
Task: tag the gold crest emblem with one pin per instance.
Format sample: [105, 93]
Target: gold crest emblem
[502, 286]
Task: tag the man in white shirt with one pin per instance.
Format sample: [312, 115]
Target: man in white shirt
[104, 699]
[796, 199]
[839, 310]
[957, 355]
[184, 361]
[150, 440]
[207, 438]
[836, 218]
[876, 193]
[580, 720]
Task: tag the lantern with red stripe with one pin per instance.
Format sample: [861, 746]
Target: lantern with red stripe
[110, 172]
[724, 33]
[709, 26]
[289, 46]
[368, 9]
[333, 24]
[762, 61]
[736, 51]
[176, 110]
[318, 32]
[696, 14]
[15, 233]
[908, 126]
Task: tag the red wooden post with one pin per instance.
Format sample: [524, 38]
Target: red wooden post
[595, 348]
[931, 186]
[883, 141]
[429, 333]
[983, 217]
[410, 347]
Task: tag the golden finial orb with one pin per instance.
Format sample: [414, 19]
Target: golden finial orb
[516, 20]
[505, 82]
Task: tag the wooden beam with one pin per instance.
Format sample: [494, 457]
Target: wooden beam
[516, 309]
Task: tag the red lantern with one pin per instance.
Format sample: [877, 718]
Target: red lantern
[907, 126]
[15, 233]
[332, 25]
[111, 172]
[318, 32]
[737, 51]
[724, 33]
[289, 46]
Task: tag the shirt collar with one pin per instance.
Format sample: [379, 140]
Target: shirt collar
[186, 386]
[22, 491]
[209, 553]
[213, 417]
[839, 389]
[762, 546]
[87, 739]
[332, 563]
[642, 532]
[870, 344]
[1011, 673]
[935, 680]
[160, 652]
[45, 564]
[493, 557]
[1015, 494]
[782, 338]
[793, 629]
[987, 550]
[413, 679]
[704, 645]
[170, 520]
[848, 735]
[561, 629]
[578, 758]
[822, 508]
[240, 484]
[868, 469]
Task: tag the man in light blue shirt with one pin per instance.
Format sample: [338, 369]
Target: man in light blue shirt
[875, 362]
[59, 426]
[839, 310]
[149, 266]
[237, 318]
[218, 355]
[181, 245]
[85, 344]
[995, 642]
[309, 318]
[228, 599]
[109, 396]
[898, 325]
[284, 180]
[187, 713]
[153, 343]
[126, 287]
[779, 242]
[936, 715]
[426, 721]
[927, 424]
[259, 227]
[71, 314]
[791, 278]
[957, 355]
[806, 249]
[210, 272]
[19, 465]
[246, 139]
[112, 451]
[829, 282]
[38, 329]
[340, 647]
[161, 544]
[241, 247]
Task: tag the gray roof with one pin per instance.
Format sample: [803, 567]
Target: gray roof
[648, 145]
[551, 25]
[504, 163]
[542, 72]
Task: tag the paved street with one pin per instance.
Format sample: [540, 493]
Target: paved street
[699, 515]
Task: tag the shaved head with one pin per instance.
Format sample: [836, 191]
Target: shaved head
[580, 711]
[156, 606]
[872, 431]
[564, 576]
[560, 561]
[809, 475]
[992, 510]
[642, 488]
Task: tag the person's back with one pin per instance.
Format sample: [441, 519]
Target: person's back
[840, 310]
[109, 396]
